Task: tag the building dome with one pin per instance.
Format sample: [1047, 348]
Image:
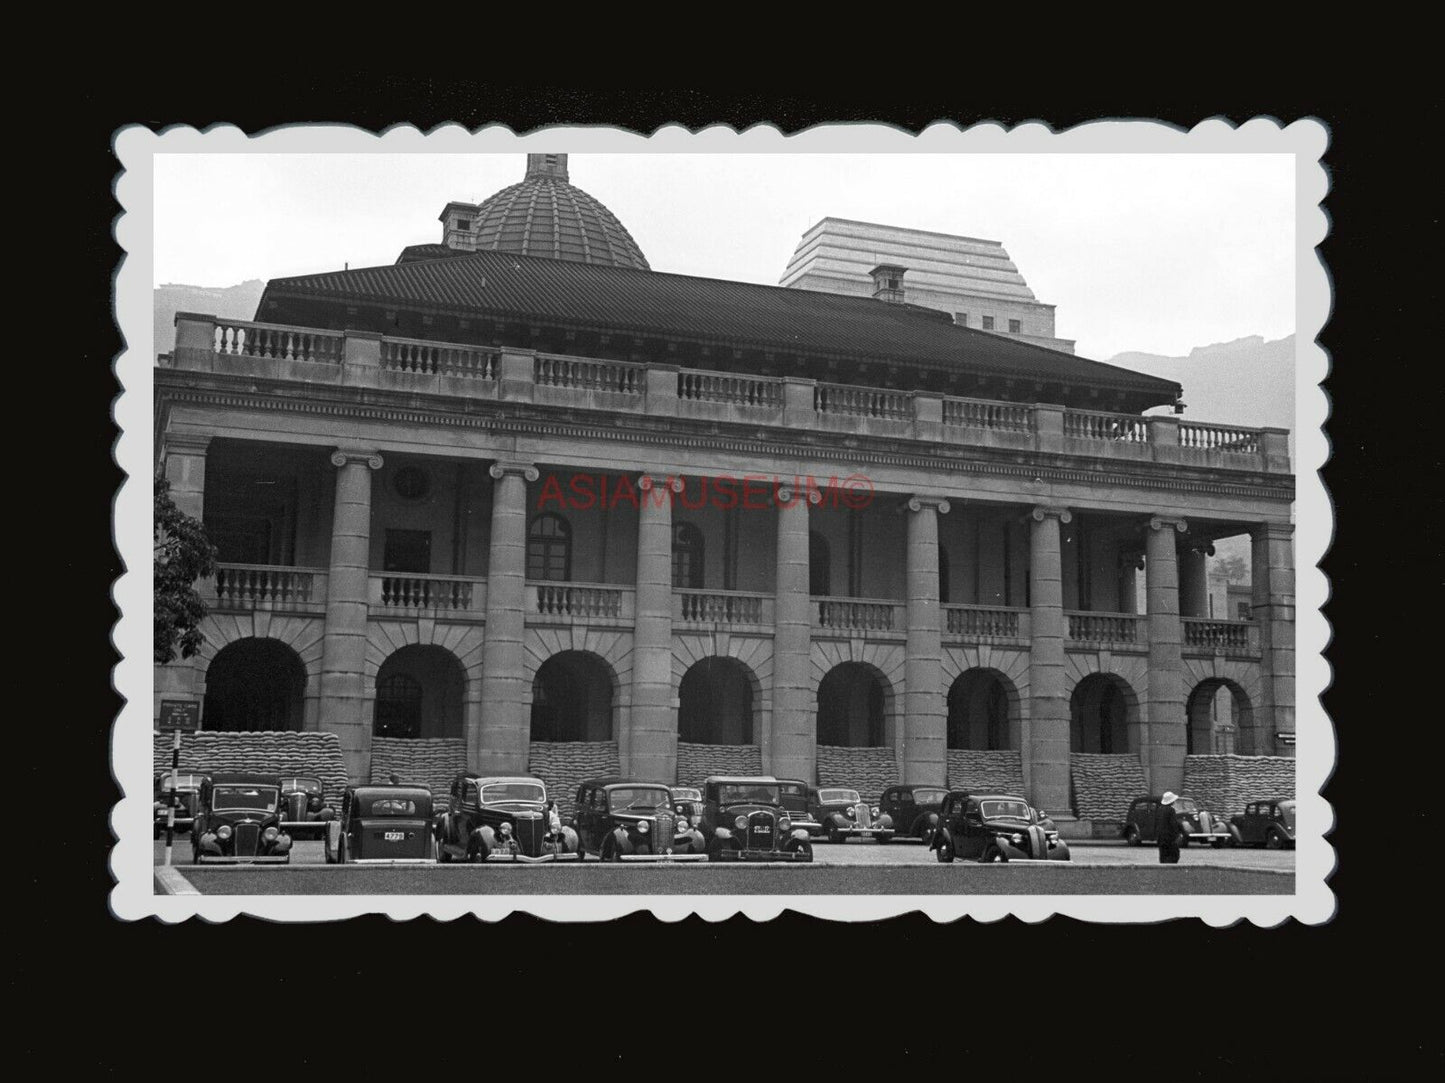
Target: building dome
[546, 216]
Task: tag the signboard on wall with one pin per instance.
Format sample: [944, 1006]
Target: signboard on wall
[179, 714]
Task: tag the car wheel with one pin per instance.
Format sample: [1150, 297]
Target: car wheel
[835, 836]
[444, 856]
[1131, 836]
[945, 849]
[924, 833]
[991, 854]
[1184, 842]
[806, 849]
[609, 850]
[1273, 841]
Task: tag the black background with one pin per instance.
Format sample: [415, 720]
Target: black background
[1176, 1000]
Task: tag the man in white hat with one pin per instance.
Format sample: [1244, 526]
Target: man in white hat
[1167, 830]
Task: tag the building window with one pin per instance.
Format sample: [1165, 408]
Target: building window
[398, 706]
[464, 223]
[988, 323]
[820, 558]
[549, 549]
[1243, 611]
[961, 318]
[687, 557]
[1015, 327]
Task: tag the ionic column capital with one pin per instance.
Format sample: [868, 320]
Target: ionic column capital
[341, 456]
[1164, 522]
[1043, 511]
[811, 495]
[647, 482]
[187, 443]
[919, 501]
[526, 471]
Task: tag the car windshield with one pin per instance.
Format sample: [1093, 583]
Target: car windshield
[391, 806]
[685, 794]
[929, 797]
[762, 793]
[1185, 807]
[832, 797]
[184, 782]
[1005, 809]
[305, 785]
[514, 791]
[638, 797]
[244, 798]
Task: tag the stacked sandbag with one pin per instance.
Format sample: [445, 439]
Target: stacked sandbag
[432, 762]
[1106, 784]
[695, 762]
[271, 752]
[870, 771]
[985, 771]
[564, 765]
[1225, 784]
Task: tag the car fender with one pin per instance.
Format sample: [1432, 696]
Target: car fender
[208, 843]
[620, 839]
[928, 820]
[488, 834]
[941, 834]
[884, 820]
[1236, 836]
[722, 833]
[571, 844]
[838, 820]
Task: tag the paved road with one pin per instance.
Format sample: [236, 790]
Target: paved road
[853, 868]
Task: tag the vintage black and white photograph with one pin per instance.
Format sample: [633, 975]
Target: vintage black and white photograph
[852, 522]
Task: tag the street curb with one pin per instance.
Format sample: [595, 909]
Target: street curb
[169, 881]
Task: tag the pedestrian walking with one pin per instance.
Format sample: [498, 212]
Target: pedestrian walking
[1167, 829]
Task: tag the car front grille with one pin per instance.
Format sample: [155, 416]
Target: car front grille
[760, 831]
[665, 830]
[248, 837]
[529, 828]
[863, 815]
[296, 806]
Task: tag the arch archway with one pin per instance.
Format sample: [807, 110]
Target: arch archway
[1220, 723]
[254, 684]
[573, 698]
[717, 703]
[1104, 715]
[855, 707]
[420, 692]
[983, 711]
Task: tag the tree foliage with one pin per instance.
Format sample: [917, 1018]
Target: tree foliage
[183, 554]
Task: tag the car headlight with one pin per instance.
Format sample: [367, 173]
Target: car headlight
[642, 827]
[505, 829]
[741, 822]
[1016, 839]
[695, 820]
[680, 810]
[875, 810]
[224, 831]
[852, 812]
[785, 824]
[270, 834]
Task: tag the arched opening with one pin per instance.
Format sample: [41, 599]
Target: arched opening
[254, 684]
[715, 703]
[854, 707]
[420, 692]
[549, 549]
[983, 711]
[687, 557]
[1103, 715]
[1221, 720]
[572, 698]
[820, 565]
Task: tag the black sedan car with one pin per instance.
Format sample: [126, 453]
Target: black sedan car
[382, 825]
[845, 815]
[743, 819]
[913, 810]
[238, 821]
[687, 802]
[628, 820]
[495, 818]
[1265, 823]
[993, 827]
[1200, 825]
[303, 805]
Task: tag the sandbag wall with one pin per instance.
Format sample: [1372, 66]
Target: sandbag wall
[696, 762]
[1225, 784]
[431, 762]
[1105, 784]
[870, 771]
[981, 771]
[268, 752]
[563, 765]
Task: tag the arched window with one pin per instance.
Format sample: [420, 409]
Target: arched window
[398, 706]
[820, 559]
[549, 549]
[687, 556]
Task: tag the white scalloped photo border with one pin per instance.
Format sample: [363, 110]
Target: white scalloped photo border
[134, 895]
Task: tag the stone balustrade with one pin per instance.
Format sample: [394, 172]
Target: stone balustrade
[434, 593]
[1206, 636]
[984, 623]
[366, 359]
[247, 587]
[580, 601]
[721, 607]
[1111, 630]
[858, 615]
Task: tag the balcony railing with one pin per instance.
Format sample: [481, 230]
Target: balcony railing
[438, 593]
[857, 615]
[1220, 636]
[1111, 630]
[264, 586]
[240, 348]
[584, 601]
[986, 623]
[721, 607]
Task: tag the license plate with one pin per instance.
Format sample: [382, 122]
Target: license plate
[394, 836]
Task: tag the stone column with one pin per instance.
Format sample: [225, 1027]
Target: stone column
[1194, 581]
[343, 648]
[1166, 732]
[792, 751]
[652, 739]
[185, 469]
[498, 732]
[1048, 734]
[925, 713]
[1272, 569]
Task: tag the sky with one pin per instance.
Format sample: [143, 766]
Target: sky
[1157, 253]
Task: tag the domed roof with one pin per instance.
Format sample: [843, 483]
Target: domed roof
[545, 215]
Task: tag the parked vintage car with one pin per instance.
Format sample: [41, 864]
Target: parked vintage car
[687, 801]
[913, 810]
[1199, 825]
[303, 805]
[795, 801]
[238, 821]
[845, 815]
[628, 820]
[188, 794]
[743, 819]
[993, 827]
[503, 819]
[1265, 823]
[382, 825]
